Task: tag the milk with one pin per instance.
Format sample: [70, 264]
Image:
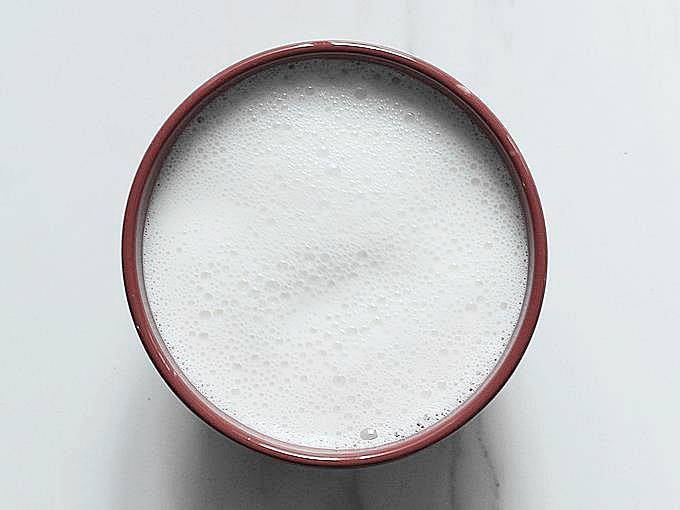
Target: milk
[334, 254]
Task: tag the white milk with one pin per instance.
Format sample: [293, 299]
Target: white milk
[335, 254]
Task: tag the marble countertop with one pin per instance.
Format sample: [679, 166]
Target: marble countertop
[589, 92]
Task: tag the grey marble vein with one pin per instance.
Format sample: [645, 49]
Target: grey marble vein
[495, 485]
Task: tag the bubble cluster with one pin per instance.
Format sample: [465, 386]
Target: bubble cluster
[334, 254]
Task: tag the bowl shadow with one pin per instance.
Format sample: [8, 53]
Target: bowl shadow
[170, 459]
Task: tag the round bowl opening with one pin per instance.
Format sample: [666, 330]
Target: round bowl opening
[134, 283]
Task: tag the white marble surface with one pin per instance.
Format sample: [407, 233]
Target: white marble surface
[588, 90]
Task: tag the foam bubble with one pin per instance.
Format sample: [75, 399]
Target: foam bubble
[334, 254]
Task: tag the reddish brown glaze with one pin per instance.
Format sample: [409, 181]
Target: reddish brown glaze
[134, 281]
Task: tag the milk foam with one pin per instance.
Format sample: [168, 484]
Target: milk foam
[334, 254]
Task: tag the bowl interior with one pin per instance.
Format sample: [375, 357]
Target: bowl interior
[133, 271]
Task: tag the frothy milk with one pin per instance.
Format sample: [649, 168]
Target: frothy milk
[334, 254]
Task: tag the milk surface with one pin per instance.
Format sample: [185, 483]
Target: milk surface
[334, 254]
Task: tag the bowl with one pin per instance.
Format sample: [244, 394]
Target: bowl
[133, 225]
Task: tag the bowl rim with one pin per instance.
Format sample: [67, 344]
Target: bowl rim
[133, 278]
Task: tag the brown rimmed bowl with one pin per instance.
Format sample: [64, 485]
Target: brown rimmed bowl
[135, 214]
